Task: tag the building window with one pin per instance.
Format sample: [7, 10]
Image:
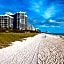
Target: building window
[21, 14]
[22, 21]
[22, 17]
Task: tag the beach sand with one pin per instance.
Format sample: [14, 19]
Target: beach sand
[40, 49]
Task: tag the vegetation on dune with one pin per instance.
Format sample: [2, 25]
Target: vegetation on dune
[7, 38]
[18, 31]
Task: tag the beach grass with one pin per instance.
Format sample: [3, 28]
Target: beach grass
[7, 38]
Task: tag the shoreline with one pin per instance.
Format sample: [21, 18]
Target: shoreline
[56, 34]
[53, 35]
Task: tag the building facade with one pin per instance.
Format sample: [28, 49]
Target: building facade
[30, 27]
[20, 20]
[6, 21]
[26, 23]
[15, 21]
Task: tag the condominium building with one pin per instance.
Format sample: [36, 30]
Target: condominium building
[6, 21]
[19, 20]
[26, 19]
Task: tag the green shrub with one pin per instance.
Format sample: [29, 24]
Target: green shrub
[7, 38]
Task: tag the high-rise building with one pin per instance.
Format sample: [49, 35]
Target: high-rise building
[26, 19]
[19, 20]
[6, 21]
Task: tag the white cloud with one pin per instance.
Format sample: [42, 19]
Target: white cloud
[60, 22]
[44, 26]
[52, 20]
[49, 12]
[54, 26]
[49, 26]
[35, 6]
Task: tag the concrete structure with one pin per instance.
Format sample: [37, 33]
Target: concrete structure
[6, 21]
[30, 27]
[26, 19]
[19, 20]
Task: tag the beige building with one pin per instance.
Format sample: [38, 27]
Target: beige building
[30, 27]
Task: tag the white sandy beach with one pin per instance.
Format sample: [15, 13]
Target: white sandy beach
[34, 50]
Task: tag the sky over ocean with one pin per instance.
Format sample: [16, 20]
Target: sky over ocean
[47, 15]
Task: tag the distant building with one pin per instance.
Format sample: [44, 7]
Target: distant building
[36, 29]
[6, 21]
[30, 27]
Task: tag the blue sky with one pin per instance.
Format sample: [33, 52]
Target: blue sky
[43, 14]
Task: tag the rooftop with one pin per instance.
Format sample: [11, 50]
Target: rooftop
[21, 12]
[26, 16]
[6, 15]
